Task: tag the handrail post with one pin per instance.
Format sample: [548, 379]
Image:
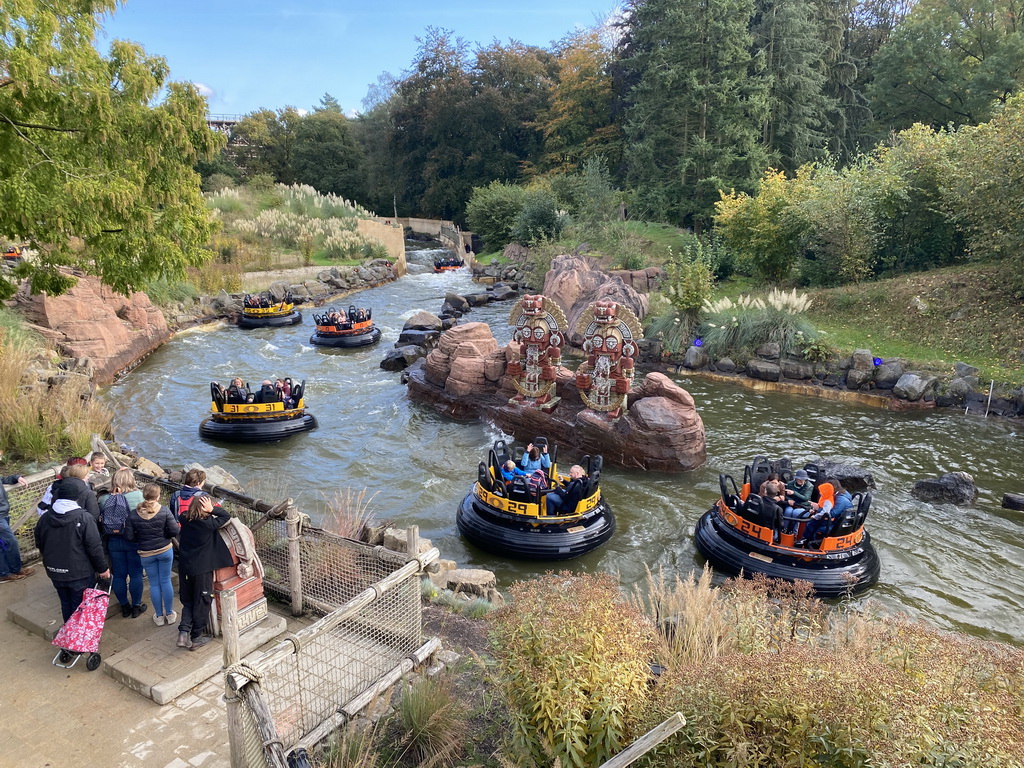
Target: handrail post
[293, 519]
[232, 655]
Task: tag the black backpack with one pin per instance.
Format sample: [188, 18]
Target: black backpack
[115, 514]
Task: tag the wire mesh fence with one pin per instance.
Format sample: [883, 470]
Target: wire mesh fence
[371, 624]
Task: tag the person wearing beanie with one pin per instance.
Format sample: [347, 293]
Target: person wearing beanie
[69, 540]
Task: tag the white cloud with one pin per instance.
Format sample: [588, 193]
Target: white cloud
[203, 89]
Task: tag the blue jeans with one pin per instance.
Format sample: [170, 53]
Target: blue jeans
[553, 503]
[71, 593]
[10, 555]
[126, 570]
[158, 571]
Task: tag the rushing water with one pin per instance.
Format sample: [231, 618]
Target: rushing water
[959, 568]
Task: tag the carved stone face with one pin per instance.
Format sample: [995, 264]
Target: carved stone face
[533, 304]
[605, 311]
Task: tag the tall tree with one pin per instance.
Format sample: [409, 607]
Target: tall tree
[694, 114]
[788, 54]
[326, 157]
[267, 143]
[949, 61]
[429, 131]
[578, 123]
[510, 89]
[96, 153]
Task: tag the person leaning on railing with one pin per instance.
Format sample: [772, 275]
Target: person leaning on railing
[11, 568]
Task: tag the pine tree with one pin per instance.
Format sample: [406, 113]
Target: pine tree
[789, 55]
[695, 115]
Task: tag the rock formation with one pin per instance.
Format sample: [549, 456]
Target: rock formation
[465, 377]
[93, 322]
[954, 488]
[574, 282]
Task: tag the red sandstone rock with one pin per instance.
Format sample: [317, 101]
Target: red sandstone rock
[574, 283]
[661, 429]
[92, 321]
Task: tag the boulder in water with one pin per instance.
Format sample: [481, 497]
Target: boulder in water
[953, 488]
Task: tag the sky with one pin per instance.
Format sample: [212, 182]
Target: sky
[251, 54]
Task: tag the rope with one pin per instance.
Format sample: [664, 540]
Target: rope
[246, 670]
[296, 643]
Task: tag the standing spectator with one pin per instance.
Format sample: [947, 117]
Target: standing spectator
[201, 551]
[125, 564]
[98, 472]
[150, 528]
[181, 498]
[69, 540]
[44, 503]
[87, 499]
[11, 568]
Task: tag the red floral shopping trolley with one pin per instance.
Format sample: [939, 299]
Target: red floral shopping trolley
[81, 634]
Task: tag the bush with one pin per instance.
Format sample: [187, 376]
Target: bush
[737, 329]
[39, 422]
[493, 211]
[766, 676]
[539, 219]
[218, 182]
[573, 667]
[434, 720]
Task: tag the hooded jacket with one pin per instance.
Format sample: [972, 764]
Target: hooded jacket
[200, 548]
[151, 532]
[69, 540]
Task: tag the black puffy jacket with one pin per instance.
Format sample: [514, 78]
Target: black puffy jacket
[149, 534]
[70, 544]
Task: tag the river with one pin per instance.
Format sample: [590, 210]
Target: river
[959, 568]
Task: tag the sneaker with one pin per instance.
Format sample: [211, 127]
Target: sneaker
[171, 618]
[126, 611]
[138, 610]
[27, 571]
[199, 642]
[158, 619]
[11, 577]
[184, 641]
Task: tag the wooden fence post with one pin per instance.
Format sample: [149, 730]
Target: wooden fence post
[293, 519]
[412, 540]
[232, 655]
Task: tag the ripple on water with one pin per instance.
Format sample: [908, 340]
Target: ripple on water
[961, 568]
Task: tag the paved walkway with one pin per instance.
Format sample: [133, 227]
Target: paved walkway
[70, 718]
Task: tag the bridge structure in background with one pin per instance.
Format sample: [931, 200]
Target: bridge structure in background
[223, 123]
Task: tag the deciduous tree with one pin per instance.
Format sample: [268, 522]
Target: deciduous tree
[96, 152]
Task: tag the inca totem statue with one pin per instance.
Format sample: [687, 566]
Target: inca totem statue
[610, 333]
[537, 350]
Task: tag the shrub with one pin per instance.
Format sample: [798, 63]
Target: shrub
[538, 220]
[573, 657]
[218, 182]
[434, 720]
[493, 211]
[737, 329]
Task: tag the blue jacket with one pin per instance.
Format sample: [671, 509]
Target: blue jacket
[509, 475]
[544, 462]
[843, 502]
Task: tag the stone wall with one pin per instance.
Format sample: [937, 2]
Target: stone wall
[391, 234]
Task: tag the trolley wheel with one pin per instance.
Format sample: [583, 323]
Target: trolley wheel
[65, 656]
[93, 662]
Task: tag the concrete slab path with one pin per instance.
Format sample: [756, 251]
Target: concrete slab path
[69, 718]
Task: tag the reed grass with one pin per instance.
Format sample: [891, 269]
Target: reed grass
[434, 720]
[37, 421]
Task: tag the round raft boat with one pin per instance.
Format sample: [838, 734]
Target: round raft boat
[448, 264]
[264, 418]
[741, 534]
[511, 518]
[340, 329]
[261, 311]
